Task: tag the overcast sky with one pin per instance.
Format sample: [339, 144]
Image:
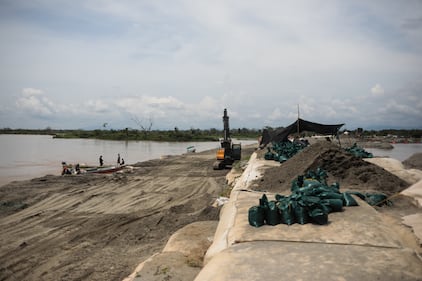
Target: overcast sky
[82, 63]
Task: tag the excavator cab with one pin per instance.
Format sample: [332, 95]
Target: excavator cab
[229, 152]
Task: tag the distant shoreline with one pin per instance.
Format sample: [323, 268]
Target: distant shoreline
[127, 134]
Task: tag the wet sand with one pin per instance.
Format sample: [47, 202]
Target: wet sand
[100, 227]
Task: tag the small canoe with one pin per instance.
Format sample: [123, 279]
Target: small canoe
[191, 149]
[105, 170]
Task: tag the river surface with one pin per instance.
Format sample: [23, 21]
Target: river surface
[401, 151]
[29, 156]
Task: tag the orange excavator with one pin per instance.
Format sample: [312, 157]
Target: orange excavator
[229, 152]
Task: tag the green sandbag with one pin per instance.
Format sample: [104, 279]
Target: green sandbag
[297, 183]
[311, 183]
[373, 199]
[358, 194]
[300, 213]
[279, 197]
[269, 156]
[272, 216]
[282, 158]
[311, 201]
[330, 195]
[376, 199]
[335, 185]
[286, 212]
[336, 205]
[321, 175]
[318, 216]
[348, 200]
[263, 202]
[256, 216]
[326, 207]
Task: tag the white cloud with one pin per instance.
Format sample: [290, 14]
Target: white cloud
[28, 92]
[275, 115]
[33, 102]
[270, 58]
[377, 90]
[394, 106]
[96, 106]
[149, 106]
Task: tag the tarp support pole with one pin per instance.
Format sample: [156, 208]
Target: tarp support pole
[298, 117]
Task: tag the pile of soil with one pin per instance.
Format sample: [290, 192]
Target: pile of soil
[414, 161]
[352, 173]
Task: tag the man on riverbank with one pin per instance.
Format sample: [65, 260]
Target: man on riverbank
[101, 160]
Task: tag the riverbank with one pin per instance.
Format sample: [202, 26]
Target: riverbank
[223, 260]
[100, 227]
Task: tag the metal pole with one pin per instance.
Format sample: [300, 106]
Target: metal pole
[298, 116]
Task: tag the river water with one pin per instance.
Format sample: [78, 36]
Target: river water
[28, 156]
[401, 151]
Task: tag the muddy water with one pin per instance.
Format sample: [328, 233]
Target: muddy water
[29, 156]
[401, 151]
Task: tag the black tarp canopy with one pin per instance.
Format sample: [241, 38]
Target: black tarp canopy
[299, 125]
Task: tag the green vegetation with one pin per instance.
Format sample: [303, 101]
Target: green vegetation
[187, 135]
[133, 134]
[390, 135]
[414, 133]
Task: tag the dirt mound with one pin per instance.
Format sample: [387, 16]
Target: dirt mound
[351, 172]
[414, 161]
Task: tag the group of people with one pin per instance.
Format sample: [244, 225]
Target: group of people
[68, 169]
[120, 161]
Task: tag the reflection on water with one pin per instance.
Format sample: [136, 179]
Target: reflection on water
[29, 156]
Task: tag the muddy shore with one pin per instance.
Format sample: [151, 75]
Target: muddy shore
[100, 227]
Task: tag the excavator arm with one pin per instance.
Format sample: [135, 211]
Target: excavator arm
[228, 152]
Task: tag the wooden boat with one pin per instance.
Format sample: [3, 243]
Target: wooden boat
[74, 169]
[191, 149]
[105, 170]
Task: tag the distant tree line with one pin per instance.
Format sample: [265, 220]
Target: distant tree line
[401, 133]
[135, 134]
[192, 134]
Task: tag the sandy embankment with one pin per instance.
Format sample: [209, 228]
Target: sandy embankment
[359, 243]
[382, 226]
[100, 227]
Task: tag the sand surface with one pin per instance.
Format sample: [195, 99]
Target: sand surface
[100, 227]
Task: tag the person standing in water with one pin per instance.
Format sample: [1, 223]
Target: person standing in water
[101, 160]
[118, 158]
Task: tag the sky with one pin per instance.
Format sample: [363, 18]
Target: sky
[94, 64]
